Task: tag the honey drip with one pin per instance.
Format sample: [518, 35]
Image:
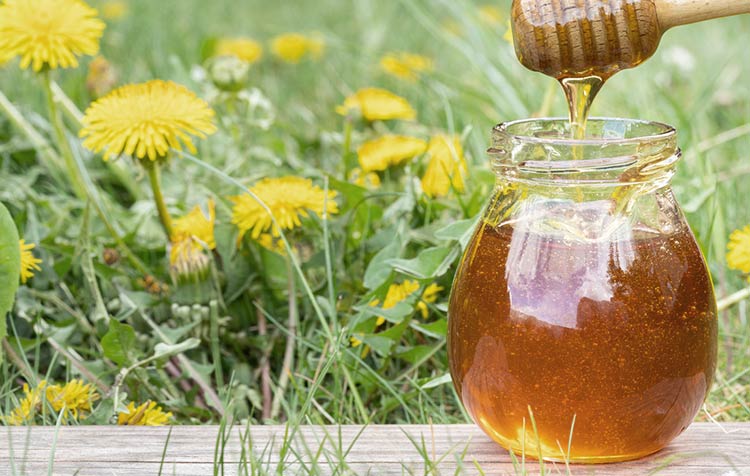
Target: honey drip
[582, 45]
[580, 94]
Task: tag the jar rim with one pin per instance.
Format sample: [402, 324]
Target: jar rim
[665, 132]
[617, 151]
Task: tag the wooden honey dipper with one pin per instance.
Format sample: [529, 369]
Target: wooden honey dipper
[577, 38]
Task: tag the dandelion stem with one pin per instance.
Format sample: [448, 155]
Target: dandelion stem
[66, 104]
[733, 299]
[286, 368]
[347, 147]
[428, 212]
[154, 178]
[54, 116]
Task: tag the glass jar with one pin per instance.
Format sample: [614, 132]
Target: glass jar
[582, 315]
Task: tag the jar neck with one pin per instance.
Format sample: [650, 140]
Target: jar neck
[614, 153]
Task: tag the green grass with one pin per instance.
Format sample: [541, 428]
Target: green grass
[61, 315]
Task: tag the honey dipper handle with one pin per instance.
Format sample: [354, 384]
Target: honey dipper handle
[682, 12]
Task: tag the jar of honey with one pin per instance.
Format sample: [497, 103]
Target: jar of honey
[582, 320]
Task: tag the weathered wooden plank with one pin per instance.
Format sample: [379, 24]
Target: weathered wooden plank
[704, 449]
[387, 469]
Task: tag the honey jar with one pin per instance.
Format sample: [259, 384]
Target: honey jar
[582, 318]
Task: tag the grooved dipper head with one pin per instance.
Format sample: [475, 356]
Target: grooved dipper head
[576, 38]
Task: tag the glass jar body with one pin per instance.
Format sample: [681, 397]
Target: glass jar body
[582, 321]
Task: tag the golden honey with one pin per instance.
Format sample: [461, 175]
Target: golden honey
[582, 312]
[565, 330]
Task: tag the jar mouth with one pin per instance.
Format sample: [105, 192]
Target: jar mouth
[600, 131]
[614, 152]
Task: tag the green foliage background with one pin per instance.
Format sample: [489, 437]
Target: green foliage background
[106, 320]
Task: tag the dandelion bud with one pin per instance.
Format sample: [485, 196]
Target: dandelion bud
[228, 73]
[188, 262]
[101, 77]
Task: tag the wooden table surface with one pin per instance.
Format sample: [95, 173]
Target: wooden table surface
[704, 449]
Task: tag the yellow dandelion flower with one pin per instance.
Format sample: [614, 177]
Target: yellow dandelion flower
[145, 414]
[49, 33]
[146, 120]
[196, 225]
[377, 104]
[29, 263]
[27, 406]
[399, 292]
[368, 180]
[114, 9]
[74, 398]
[246, 49]
[389, 150]
[490, 15]
[101, 77]
[355, 342]
[292, 47]
[406, 66]
[508, 36]
[429, 296]
[272, 243]
[446, 168]
[287, 198]
[738, 254]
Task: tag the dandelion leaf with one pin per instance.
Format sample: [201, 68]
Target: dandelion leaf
[119, 343]
[430, 263]
[378, 270]
[460, 231]
[10, 266]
